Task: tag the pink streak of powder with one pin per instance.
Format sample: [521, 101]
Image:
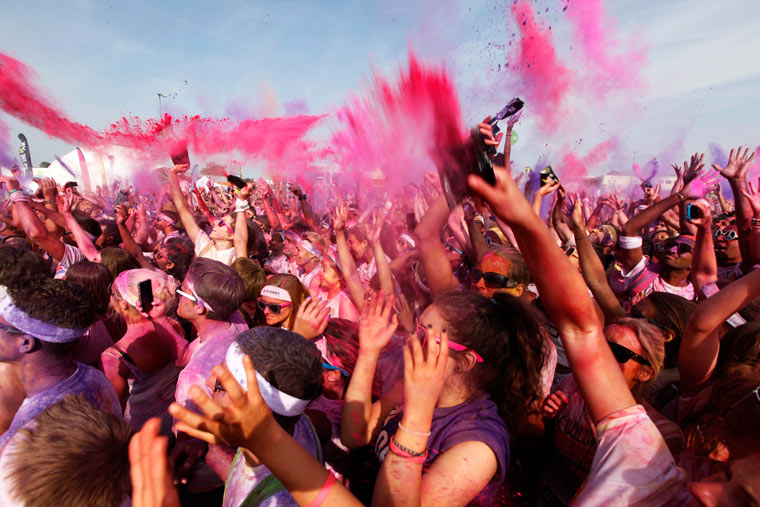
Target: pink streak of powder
[399, 128]
[575, 167]
[6, 160]
[591, 30]
[546, 80]
[276, 140]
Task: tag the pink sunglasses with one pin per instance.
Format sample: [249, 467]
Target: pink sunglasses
[422, 334]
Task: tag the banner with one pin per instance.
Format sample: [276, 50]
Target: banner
[26, 157]
[83, 170]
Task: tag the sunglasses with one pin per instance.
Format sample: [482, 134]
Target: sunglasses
[623, 355]
[422, 333]
[10, 329]
[275, 308]
[755, 392]
[728, 235]
[328, 366]
[192, 296]
[682, 248]
[222, 223]
[492, 280]
[636, 314]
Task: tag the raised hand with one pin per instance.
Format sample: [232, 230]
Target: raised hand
[698, 187]
[753, 196]
[10, 183]
[311, 319]
[405, 313]
[549, 187]
[341, 216]
[49, 189]
[66, 201]
[705, 221]
[487, 132]
[151, 481]
[577, 215]
[376, 326]
[553, 404]
[424, 374]
[693, 167]
[678, 170]
[738, 163]
[236, 425]
[180, 168]
[376, 226]
[504, 198]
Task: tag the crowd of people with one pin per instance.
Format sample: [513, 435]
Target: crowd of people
[202, 344]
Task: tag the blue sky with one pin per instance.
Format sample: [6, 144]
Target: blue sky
[100, 60]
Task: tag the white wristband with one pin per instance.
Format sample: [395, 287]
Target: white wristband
[241, 205]
[630, 242]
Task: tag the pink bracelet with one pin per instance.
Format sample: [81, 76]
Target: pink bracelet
[402, 453]
[320, 498]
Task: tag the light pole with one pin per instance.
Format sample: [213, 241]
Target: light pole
[159, 102]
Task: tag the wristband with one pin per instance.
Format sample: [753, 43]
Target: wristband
[10, 192]
[681, 197]
[418, 433]
[405, 451]
[50, 202]
[320, 498]
[242, 205]
[630, 242]
[18, 197]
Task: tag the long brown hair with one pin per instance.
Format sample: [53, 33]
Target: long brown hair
[296, 290]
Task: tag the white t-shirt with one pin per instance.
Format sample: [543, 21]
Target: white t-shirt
[632, 464]
[205, 248]
[71, 255]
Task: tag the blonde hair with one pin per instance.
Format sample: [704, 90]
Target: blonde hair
[126, 287]
[652, 348]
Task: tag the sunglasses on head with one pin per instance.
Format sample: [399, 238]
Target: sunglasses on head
[275, 308]
[726, 235]
[492, 280]
[623, 355]
[422, 333]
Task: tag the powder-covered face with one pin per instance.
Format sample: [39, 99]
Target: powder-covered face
[275, 319]
[627, 338]
[222, 228]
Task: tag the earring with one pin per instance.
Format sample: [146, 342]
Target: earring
[458, 369]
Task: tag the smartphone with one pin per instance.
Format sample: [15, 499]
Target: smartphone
[146, 295]
[121, 197]
[411, 222]
[693, 212]
[547, 173]
[181, 157]
[236, 180]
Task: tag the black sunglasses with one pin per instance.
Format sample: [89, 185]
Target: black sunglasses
[623, 355]
[682, 248]
[492, 280]
[275, 308]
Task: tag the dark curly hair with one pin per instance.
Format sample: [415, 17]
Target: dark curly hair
[20, 268]
[508, 334]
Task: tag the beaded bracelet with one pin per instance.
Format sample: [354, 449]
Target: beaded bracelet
[14, 190]
[408, 454]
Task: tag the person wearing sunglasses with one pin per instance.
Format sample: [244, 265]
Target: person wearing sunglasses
[638, 347]
[728, 253]
[218, 244]
[491, 380]
[280, 299]
[500, 269]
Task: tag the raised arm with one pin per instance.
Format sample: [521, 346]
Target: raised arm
[593, 270]
[704, 265]
[361, 419]
[700, 344]
[184, 212]
[432, 253]
[85, 244]
[129, 243]
[381, 262]
[240, 240]
[565, 298]
[33, 226]
[347, 263]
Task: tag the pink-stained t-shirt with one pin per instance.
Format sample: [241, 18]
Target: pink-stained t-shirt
[642, 280]
[632, 465]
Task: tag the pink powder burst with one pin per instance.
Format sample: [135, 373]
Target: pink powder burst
[609, 69]
[575, 167]
[546, 80]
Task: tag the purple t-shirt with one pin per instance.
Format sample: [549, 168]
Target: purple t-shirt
[475, 420]
[86, 380]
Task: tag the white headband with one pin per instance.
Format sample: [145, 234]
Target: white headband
[17, 318]
[408, 239]
[165, 218]
[309, 247]
[272, 291]
[279, 402]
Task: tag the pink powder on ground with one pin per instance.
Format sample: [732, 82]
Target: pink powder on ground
[545, 79]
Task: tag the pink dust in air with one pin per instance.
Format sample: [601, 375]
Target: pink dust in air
[574, 167]
[275, 140]
[591, 30]
[546, 80]
[397, 128]
[6, 160]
